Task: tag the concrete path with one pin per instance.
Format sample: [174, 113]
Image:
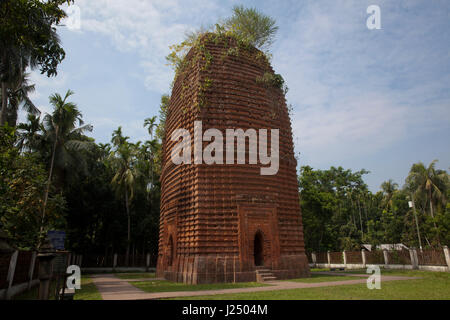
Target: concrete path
[113, 288]
[333, 273]
[143, 279]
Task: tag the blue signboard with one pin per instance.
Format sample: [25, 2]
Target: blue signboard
[57, 238]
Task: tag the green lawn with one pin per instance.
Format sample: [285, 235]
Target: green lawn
[432, 286]
[134, 275]
[168, 286]
[88, 290]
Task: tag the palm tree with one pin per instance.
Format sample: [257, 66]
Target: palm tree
[123, 160]
[389, 188]
[60, 129]
[28, 134]
[426, 181]
[19, 89]
[150, 146]
[12, 65]
[151, 124]
[28, 39]
[117, 137]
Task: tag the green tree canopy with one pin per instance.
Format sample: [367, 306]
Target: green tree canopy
[28, 38]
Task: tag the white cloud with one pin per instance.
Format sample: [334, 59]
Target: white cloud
[357, 91]
[148, 28]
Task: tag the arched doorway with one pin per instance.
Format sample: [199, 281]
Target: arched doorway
[258, 249]
[170, 252]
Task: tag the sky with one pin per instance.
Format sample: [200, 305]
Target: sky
[375, 99]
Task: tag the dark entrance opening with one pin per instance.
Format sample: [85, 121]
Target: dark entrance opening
[170, 253]
[258, 249]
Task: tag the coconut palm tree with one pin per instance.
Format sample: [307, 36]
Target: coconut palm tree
[12, 65]
[427, 181]
[389, 188]
[19, 89]
[61, 131]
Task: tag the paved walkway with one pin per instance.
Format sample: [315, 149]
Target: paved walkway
[113, 288]
[345, 274]
[143, 279]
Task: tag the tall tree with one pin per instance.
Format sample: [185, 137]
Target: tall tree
[388, 188]
[151, 124]
[22, 185]
[29, 134]
[28, 38]
[150, 147]
[123, 160]
[19, 89]
[427, 181]
[61, 130]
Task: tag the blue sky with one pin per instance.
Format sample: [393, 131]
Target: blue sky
[373, 99]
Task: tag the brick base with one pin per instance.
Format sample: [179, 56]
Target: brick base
[219, 269]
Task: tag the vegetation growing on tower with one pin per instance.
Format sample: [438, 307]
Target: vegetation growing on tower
[247, 32]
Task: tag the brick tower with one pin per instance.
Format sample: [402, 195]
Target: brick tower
[223, 222]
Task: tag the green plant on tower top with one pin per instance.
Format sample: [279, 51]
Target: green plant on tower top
[248, 26]
[251, 26]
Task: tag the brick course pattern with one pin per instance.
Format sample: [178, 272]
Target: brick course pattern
[210, 214]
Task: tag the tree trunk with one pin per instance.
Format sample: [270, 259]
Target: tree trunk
[351, 210]
[360, 217]
[417, 221]
[3, 112]
[47, 190]
[365, 208]
[432, 216]
[127, 255]
[431, 205]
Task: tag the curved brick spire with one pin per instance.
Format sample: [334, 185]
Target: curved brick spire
[211, 214]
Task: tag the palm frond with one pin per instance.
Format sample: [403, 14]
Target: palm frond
[83, 129]
[78, 145]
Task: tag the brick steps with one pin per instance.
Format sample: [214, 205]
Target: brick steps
[264, 274]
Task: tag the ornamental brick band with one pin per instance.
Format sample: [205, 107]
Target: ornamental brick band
[219, 223]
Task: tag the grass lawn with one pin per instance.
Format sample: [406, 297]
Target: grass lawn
[168, 286]
[433, 285]
[134, 275]
[88, 290]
